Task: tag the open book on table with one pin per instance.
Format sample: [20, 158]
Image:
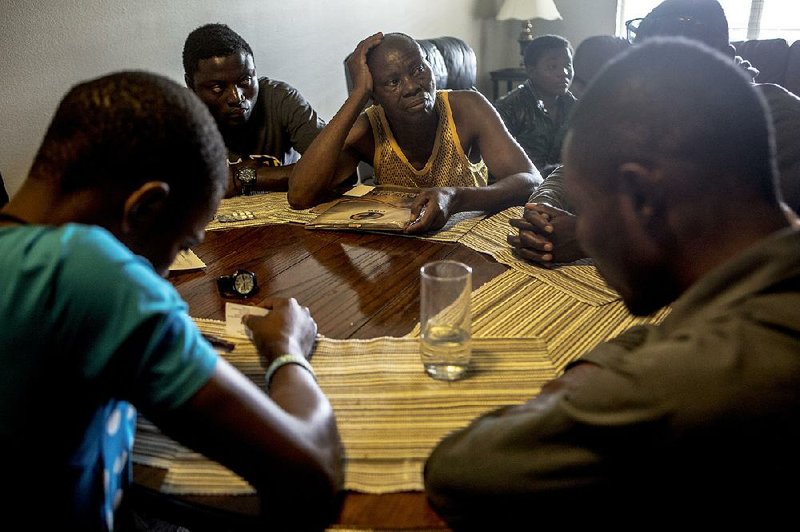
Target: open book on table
[384, 208]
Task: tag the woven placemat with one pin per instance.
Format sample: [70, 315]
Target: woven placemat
[272, 208]
[516, 305]
[457, 227]
[390, 413]
[268, 209]
[579, 279]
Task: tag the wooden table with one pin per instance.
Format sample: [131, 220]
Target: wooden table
[357, 285]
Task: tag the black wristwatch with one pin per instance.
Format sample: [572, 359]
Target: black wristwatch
[242, 283]
[247, 179]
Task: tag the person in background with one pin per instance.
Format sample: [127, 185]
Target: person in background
[591, 55]
[536, 112]
[558, 244]
[693, 420]
[91, 333]
[450, 144]
[266, 123]
[546, 232]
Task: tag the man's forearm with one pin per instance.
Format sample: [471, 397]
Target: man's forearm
[273, 177]
[267, 177]
[507, 192]
[552, 192]
[315, 173]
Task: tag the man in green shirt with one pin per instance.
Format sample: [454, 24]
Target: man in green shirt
[670, 164]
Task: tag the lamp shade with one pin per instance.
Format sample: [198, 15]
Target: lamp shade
[528, 9]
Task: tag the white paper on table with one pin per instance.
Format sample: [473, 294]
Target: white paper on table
[233, 318]
[186, 260]
[358, 191]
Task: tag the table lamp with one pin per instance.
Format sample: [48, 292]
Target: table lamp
[526, 10]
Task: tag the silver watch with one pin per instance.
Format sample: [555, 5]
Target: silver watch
[247, 179]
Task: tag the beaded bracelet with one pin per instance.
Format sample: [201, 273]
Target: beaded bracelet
[283, 360]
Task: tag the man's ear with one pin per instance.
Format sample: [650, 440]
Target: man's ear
[144, 206]
[643, 208]
[642, 187]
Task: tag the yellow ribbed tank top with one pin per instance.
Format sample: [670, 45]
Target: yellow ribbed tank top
[448, 165]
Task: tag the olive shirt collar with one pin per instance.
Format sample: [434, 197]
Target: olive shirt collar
[772, 261]
[770, 265]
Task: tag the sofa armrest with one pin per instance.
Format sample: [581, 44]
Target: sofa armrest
[792, 82]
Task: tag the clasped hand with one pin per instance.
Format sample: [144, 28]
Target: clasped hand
[546, 235]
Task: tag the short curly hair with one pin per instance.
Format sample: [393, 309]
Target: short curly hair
[211, 40]
[123, 129]
[537, 47]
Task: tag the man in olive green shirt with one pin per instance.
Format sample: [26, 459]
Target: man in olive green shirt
[670, 164]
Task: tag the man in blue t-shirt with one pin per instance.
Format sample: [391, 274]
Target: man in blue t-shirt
[130, 171]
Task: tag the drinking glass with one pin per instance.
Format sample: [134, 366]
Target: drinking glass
[445, 319]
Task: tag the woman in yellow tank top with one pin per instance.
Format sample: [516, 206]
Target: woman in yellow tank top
[446, 143]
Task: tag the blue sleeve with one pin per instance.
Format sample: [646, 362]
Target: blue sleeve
[140, 342]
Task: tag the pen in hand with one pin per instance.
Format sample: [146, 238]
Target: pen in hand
[219, 343]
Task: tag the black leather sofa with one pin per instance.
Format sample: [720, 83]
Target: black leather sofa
[776, 61]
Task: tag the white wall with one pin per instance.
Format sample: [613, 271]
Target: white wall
[46, 46]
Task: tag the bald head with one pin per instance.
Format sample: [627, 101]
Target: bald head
[394, 42]
[403, 83]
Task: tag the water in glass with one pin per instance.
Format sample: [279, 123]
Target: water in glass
[445, 352]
